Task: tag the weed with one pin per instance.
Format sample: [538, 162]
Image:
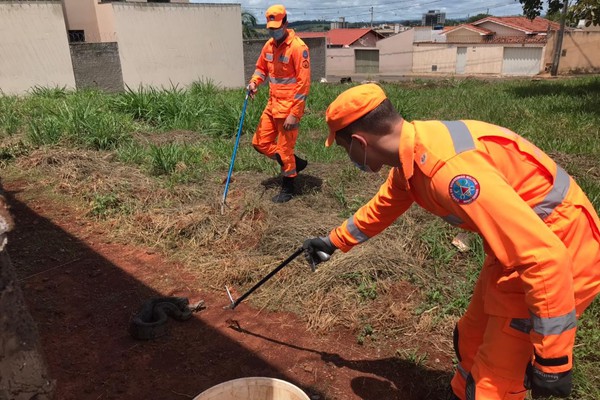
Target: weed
[367, 331]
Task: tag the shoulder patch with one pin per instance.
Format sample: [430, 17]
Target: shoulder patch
[464, 189]
[305, 54]
[305, 64]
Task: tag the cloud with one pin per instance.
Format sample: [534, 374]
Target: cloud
[383, 10]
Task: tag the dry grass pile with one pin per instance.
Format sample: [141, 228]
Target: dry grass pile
[372, 289]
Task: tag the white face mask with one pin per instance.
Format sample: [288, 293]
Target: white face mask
[364, 167]
[277, 34]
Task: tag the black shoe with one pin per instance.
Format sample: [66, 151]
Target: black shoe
[287, 191]
[300, 164]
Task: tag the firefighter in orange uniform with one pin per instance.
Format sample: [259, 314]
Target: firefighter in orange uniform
[541, 236]
[285, 62]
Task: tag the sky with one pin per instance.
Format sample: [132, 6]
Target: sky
[360, 10]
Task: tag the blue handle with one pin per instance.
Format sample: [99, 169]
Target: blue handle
[237, 142]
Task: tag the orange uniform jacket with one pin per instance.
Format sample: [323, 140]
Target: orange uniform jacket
[287, 67]
[534, 219]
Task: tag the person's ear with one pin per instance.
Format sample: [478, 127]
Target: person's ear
[361, 140]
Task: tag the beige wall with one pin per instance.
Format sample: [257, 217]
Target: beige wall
[395, 53]
[164, 43]
[501, 30]
[106, 23]
[33, 47]
[340, 61]
[94, 18]
[426, 55]
[486, 59]
[81, 15]
[463, 36]
[582, 52]
[482, 59]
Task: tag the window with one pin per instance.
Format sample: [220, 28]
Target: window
[76, 36]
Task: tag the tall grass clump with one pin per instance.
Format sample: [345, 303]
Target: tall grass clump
[82, 118]
[11, 117]
[161, 109]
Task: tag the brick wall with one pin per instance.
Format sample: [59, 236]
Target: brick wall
[97, 65]
[316, 46]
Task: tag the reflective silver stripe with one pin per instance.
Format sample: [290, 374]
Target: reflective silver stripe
[461, 137]
[556, 195]
[284, 81]
[355, 232]
[289, 173]
[269, 56]
[554, 325]
[462, 371]
[260, 74]
[284, 59]
[300, 97]
[453, 220]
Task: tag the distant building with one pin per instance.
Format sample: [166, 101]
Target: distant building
[340, 24]
[353, 37]
[433, 18]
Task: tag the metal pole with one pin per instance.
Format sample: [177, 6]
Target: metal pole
[237, 142]
[266, 278]
[559, 39]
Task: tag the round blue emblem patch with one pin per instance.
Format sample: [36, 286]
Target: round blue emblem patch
[464, 189]
[305, 54]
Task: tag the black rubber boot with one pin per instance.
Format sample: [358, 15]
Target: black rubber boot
[287, 191]
[300, 164]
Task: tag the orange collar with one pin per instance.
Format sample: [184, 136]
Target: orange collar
[407, 150]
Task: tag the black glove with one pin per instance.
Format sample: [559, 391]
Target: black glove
[318, 250]
[544, 384]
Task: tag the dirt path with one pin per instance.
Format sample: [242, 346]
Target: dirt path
[82, 290]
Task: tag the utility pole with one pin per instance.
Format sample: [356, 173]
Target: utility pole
[371, 16]
[559, 39]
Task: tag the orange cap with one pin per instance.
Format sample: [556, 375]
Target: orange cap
[350, 106]
[275, 15]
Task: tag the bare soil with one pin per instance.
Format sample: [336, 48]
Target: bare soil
[82, 290]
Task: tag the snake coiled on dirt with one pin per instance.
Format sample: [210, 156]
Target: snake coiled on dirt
[151, 320]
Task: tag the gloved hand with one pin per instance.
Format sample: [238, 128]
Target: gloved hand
[544, 384]
[318, 250]
[252, 89]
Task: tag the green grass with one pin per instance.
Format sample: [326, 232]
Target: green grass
[560, 116]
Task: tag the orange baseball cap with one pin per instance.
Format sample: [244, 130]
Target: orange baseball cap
[275, 15]
[350, 106]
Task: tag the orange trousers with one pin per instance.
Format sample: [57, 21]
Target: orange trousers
[494, 350]
[270, 139]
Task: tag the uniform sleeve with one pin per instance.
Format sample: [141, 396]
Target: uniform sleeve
[301, 60]
[385, 207]
[261, 70]
[521, 241]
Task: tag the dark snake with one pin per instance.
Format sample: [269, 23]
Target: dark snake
[151, 320]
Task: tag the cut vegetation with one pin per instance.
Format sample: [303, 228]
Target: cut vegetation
[150, 164]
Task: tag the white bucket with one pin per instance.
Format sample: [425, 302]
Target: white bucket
[254, 388]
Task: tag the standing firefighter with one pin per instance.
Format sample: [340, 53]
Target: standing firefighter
[541, 236]
[285, 62]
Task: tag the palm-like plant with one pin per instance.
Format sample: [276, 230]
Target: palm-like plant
[248, 25]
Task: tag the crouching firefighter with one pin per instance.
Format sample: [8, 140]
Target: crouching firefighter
[541, 236]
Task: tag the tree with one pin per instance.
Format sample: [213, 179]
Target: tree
[588, 10]
[249, 25]
[477, 17]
